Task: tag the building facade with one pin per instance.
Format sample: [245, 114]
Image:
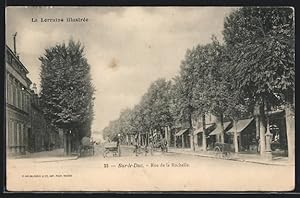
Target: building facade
[42, 136]
[26, 127]
[18, 123]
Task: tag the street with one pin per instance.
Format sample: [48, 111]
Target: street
[168, 171]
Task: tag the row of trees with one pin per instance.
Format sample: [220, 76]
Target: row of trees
[152, 113]
[249, 74]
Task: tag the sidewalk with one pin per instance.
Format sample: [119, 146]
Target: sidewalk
[47, 156]
[250, 158]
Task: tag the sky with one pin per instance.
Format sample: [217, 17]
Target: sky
[127, 47]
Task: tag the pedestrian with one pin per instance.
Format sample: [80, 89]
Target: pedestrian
[164, 145]
[151, 146]
[258, 144]
[118, 144]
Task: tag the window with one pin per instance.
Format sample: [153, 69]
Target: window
[21, 135]
[15, 134]
[14, 94]
[7, 91]
[19, 97]
[9, 133]
[12, 132]
[28, 102]
[18, 134]
[25, 102]
[10, 91]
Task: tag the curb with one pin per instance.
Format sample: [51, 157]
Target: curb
[57, 160]
[238, 160]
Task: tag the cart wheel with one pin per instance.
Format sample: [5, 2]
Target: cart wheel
[105, 153]
[218, 152]
[229, 156]
[138, 152]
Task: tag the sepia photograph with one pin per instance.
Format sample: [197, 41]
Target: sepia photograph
[156, 99]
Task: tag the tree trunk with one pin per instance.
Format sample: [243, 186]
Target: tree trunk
[175, 139]
[235, 140]
[262, 129]
[169, 136]
[290, 131]
[69, 144]
[220, 125]
[166, 133]
[139, 139]
[203, 136]
[256, 114]
[222, 128]
[65, 143]
[191, 132]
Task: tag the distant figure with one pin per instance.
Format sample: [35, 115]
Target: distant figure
[52, 146]
[276, 138]
[118, 143]
[164, 145]
[258, 143]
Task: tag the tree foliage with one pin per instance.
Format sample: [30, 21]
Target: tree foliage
[66, 88]
[255, 62]
[152, 112]
[262, 44]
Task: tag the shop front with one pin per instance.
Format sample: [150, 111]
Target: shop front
[182, 139]
[198, 134]
[246, 136]
[278, 131]
[215, 135]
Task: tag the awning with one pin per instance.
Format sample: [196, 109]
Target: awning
[241, 125]
[181, 132]
[154, 134]
[200, 130]
[279, 114]
[218, 129]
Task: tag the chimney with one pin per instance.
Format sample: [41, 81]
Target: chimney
[34, 88]
[15, 48]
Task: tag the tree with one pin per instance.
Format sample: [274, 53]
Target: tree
[67, 90]
[182, 93]
[200, 91]
[159, 106]
[262, 44]
[151, 113]
[201, 88]
[213, 87]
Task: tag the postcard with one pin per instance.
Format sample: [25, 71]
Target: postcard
[128, 99]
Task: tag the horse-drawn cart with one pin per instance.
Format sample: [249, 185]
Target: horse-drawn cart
[111, 147]
[223, 150]
[160, 145]
[86, 146]
[153, 146]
